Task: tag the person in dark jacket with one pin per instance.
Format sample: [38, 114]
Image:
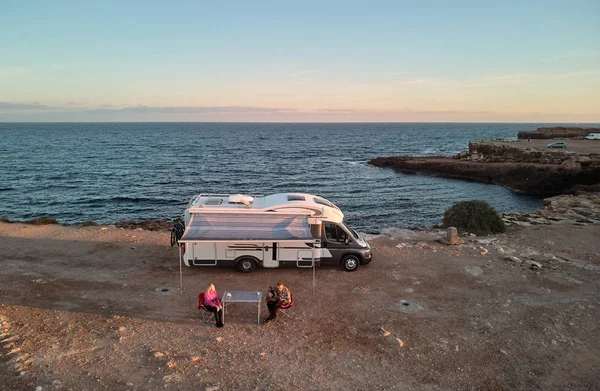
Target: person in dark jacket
[277, 297]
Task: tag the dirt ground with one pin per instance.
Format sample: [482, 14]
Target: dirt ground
[573, 145]
[85, 309]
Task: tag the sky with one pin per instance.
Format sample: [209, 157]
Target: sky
[300, 61]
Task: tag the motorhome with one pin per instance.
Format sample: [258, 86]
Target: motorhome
[283, 229]
[593, 136]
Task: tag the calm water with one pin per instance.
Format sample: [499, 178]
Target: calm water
[108, 172]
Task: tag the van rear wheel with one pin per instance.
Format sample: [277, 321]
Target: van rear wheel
[246, 265]
[350, 263]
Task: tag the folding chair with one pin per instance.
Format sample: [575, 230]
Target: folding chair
[203, 308]
[284, 308]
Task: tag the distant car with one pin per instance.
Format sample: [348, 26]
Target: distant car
[559, 144]
[593, 136]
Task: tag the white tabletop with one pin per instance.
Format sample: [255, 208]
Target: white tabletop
[242, 296]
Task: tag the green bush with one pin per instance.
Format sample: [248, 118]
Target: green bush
[473, 216]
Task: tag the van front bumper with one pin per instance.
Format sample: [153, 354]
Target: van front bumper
[366, 256]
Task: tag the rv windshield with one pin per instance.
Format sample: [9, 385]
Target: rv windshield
[359, 239]
[352, 232]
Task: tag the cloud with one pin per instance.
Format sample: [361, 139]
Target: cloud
[403, 112]
[190, 110]
[23, 106]
[303, 73]
[9, 72]
[141, 109]
[343, 111]
[491, 81]
[573, 54]
[36, 111]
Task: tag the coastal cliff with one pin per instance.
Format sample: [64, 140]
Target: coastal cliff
[556, 132]
[527, 167]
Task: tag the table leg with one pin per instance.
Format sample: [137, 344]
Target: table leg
[224, 306]
[258, 313]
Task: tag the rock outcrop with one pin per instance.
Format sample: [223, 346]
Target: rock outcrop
[148, 225]
[580, 209]
[557, 132]
[528, 170]
[491, 152]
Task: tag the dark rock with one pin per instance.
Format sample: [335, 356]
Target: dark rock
[149, 225]
[42, 220]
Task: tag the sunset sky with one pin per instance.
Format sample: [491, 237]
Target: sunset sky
[475, 61]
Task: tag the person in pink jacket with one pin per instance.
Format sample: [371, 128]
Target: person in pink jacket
[213, 304]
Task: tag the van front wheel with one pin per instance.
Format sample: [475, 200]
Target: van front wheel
[350, 263]
[246, 265]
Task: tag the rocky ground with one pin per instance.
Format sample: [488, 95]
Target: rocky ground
[557, 132]
[99, 308]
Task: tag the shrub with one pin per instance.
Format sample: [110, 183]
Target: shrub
[44, 220]
[473, 216]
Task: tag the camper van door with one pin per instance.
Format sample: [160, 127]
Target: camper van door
[271, 255]
[333, 243]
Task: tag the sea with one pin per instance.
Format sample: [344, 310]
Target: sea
[109, 172]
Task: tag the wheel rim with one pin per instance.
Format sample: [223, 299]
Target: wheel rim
[246, 265]
[351, 263]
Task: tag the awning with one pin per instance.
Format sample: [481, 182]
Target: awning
[267, 227]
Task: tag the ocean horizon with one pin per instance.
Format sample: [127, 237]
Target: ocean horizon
[114, 171]
[536, 124]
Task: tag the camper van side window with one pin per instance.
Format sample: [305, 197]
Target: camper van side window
[333, 233]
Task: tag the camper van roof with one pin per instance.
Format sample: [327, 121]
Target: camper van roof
[300, 203]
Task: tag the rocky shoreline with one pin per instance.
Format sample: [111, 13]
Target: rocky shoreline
[528, 167]
[146, 225]
[575, 211]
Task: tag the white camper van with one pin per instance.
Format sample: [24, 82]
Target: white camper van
[593, 136]
[269, 231]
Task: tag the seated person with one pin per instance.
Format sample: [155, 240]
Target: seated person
[276, 298]
[213, 304]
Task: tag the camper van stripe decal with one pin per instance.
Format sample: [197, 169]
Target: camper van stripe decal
[267, 248]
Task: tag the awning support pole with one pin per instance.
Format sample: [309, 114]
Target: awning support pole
[180, 271]
[313, 264]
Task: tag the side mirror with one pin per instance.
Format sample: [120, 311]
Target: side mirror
[347, 241]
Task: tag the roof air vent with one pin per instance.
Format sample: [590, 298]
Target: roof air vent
[240, 199]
